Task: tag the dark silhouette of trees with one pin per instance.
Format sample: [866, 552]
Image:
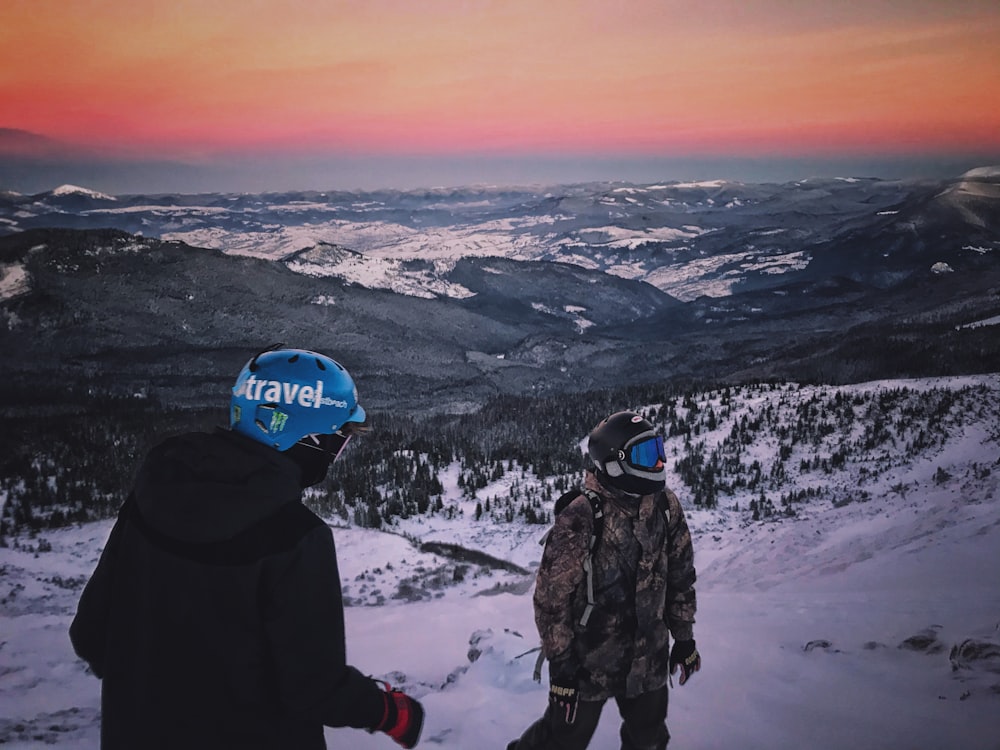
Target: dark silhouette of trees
[739, 446]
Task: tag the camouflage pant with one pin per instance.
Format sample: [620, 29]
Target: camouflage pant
[643, 727]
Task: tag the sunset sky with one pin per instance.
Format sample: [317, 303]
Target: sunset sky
[185, 95]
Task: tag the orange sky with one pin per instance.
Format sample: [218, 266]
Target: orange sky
[188, 78]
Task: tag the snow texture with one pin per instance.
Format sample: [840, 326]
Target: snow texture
[14, 281]
[830, 630]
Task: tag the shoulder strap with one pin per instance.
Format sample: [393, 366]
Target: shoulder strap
[597, 508]
[596, 505]
[663, 504]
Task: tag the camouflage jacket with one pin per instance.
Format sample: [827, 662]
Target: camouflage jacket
[644, 578]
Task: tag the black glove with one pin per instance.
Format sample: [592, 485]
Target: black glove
[564, 693]
[403, 718]
[685, 655]
[564, 701]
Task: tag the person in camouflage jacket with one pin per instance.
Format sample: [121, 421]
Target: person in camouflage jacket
[642, 574]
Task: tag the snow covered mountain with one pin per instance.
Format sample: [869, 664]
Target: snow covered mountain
[64, 191]
[868, 618]
[846, 522]
[689, 240]
[501, 289]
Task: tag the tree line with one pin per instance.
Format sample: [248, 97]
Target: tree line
[762, 449]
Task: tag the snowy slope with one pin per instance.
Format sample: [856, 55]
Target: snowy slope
[828, 630]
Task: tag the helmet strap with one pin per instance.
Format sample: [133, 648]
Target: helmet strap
[613, 469]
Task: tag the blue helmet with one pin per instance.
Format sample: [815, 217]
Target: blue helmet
[283, 395]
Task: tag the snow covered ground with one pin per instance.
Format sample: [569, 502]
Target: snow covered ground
[831, 630]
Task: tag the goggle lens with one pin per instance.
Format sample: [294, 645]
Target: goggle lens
[648, 454]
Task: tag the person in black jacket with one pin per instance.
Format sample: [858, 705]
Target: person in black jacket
[214, 617]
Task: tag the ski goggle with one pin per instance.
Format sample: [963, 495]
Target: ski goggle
[332, 444]
[647, 454]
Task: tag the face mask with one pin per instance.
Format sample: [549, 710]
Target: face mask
[315, 453]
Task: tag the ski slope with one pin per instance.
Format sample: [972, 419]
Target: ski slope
[830, 630]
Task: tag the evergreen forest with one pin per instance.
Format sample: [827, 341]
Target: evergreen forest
[761, 449]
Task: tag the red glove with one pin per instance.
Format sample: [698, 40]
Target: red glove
[403, 718]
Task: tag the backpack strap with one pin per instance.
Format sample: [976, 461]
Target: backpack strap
[596, 505]
[597, 508]
[664, 505]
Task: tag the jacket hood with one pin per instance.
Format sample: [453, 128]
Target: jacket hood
[208, 487]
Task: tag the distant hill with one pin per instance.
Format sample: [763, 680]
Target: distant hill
[689, 240]
[438, 298]
[104, 311]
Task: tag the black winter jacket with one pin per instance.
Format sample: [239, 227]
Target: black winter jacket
[214, 617]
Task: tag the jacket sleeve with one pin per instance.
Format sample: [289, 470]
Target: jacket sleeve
[681, 601]
[88, 631]
[559, 574]
[304, 623]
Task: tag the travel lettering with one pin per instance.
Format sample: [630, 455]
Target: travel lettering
[278, 392]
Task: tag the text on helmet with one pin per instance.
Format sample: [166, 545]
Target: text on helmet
[279, 392]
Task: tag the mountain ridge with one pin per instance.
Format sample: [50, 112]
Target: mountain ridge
[99, 308]
[689, 240]
[466, 292]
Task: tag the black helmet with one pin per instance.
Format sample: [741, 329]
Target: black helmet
[628, 453]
